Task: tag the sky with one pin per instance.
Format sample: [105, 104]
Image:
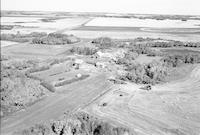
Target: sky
[182, 7]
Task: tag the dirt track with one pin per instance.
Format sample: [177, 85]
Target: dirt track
[70, 99]
[172, 108]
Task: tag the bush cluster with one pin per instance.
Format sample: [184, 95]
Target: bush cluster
[22, 37]
[141, 39]
[56, 39]
[83, 50]
[151, 73]
[103, 42]
[142, 49]
[77, 124]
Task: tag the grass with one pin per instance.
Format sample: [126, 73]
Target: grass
[144, 59]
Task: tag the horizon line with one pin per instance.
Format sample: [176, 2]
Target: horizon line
[101, 12]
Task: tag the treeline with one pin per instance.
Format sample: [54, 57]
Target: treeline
[41, 38]
[173, 44]
[56, 39]
[158, 42]
[79, 123]
[22, 37]
[106, 43]
[179, 59]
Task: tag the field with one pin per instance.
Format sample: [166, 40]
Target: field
[33, 24]
[168, 109]
[127, 22]
[117, 74]
[7, 43]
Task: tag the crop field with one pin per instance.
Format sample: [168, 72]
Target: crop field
[132, 22]
[33, 24]
[132, 28]
[127, 34]
[99, 74]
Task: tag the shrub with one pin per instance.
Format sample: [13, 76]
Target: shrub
[141, 49]
[173, 43]
[103, 42]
